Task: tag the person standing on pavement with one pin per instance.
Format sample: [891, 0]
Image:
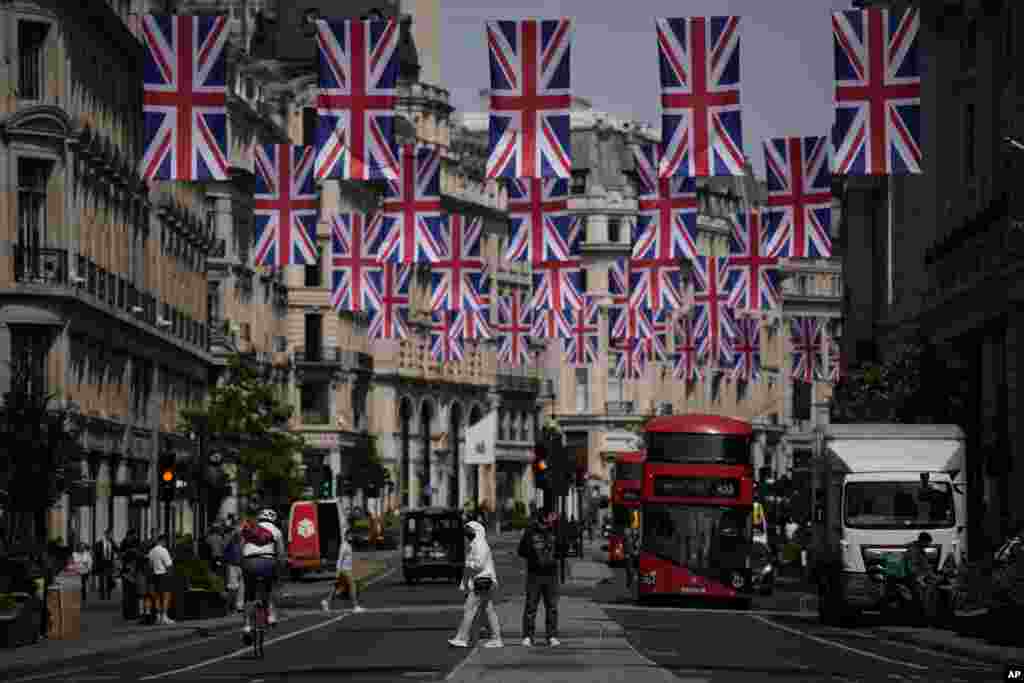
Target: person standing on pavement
[922, 574]
[82, 559]
[479, 581]
[344, 580]
[161, 564]
[541, 547]
[104, 558]
[129, 575]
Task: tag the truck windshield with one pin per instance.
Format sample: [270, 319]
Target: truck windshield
[698, 537]
[898, 505]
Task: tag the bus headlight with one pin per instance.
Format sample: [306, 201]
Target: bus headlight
[738, 580]
[649, 578]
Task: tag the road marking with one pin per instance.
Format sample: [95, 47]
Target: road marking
[458, 667]
[705, 610]
[825, 641]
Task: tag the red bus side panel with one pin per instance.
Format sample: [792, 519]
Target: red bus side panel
[662, 577]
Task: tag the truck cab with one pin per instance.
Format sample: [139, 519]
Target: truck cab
[876, 487]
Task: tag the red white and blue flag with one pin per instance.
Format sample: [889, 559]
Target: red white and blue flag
[473, 324]
[530, 98]
[557, 285]
[715, 323]
[627, 318]
[701, 127]
[184, 98]
[747, 365]
[551, 323]
[666, 225]
[459, 278]
[285, 206]
[753, 275]
[446, 345]
[580, 348]
[357, 275]
[542, 228]
[655, 345]
[877, 127]
[629, 360]
[836, 361]
[390, 320]
[358, 66]
[798, 218]
[806, 342]
[414, 225]
[685, 360]
[514, 322]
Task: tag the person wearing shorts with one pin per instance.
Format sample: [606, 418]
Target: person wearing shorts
[160, 564]
[344, 581]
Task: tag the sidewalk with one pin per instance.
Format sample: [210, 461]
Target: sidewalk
[105, 632]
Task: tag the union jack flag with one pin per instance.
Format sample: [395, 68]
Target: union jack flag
[514, 322]
[472, 324]
[627, 318]
[542, 228]
[551, 324]
[666, 225]
[389, 321]
[356, 279]
[836, 361]
[685, 360]
[530, 97]
[557, 285]
[877, 127]
[458, 280]
[753, 275]
[184, 98]
[701, 129]
[715, 324]
[655, 346]
[355, 137]
[445, 344]
[414, 224]
[654, 286]
[747, 366]
[799, 214]
[806, 339]
[630, 362]
[285, 206]
[580, 348]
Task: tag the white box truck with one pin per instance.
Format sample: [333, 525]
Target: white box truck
[875, 487]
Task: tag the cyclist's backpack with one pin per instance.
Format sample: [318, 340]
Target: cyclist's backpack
[257, 535]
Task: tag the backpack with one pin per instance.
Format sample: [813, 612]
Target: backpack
[257, 535]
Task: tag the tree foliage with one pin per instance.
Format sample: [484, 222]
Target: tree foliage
[365, 469]
[911, 387]
[248, 412]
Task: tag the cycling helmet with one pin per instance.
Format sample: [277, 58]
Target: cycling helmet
[268, 515]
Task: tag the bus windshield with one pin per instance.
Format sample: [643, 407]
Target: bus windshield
[699, 537]
[718, 449]
[898, 505]
[629, 471]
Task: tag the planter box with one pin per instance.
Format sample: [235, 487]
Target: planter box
[21, 625]
[202, 604]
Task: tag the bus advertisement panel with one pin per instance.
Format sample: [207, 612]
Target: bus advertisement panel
[698, 502]
[627, 487]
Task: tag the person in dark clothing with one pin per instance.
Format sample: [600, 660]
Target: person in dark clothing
[631, 549]
[922, 574]
[542, 549]
[130, 551]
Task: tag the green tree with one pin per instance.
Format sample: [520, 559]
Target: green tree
[249, 413]
[39, 454]
[912, 386]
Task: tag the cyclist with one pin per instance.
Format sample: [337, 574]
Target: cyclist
[263, 550]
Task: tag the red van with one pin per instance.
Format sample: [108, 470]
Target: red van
[314, 534]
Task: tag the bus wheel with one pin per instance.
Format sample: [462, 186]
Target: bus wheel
[743, 603]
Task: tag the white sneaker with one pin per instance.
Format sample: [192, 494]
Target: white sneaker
[554, 642]
[494, 643]
[455, 642]
[169, 622]
[325, 606]
[247, 629]
[357, 609]
[527, 642]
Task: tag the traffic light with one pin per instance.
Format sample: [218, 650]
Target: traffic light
[326, 488]
[540, 468]
[168, 477]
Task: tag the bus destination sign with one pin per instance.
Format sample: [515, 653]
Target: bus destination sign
[693, 487]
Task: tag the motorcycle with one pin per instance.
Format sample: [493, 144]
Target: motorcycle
[898, 597]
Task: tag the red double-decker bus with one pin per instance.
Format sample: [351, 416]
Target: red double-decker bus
[698, 496]
[627, 488]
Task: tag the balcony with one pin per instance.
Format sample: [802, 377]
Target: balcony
[619, 407]
[518, 381]
[335, 357]
[41, 266]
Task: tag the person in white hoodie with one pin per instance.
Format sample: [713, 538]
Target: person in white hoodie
[479, 580]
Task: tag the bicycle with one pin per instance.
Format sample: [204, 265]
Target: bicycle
[261, 616]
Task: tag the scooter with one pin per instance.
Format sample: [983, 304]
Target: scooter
[898, 598]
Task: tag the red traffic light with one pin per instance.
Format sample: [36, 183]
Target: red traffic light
[168, 476]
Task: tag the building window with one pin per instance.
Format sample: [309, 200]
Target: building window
[615, 230]
[31, 69]
[970, 167]
[314, 272]
[33, 175]
[582, 390]
[615, 384]
[309, 124]
[314, 336]
[502, 425]
[30, 345]
[315, 400]
[579, 182]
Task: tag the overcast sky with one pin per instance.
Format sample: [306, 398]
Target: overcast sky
[785, 57]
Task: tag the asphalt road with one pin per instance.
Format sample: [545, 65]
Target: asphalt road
[403, 634]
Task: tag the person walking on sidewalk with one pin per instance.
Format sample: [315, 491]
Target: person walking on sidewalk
[344, 580]
[479, 581]
[161, 564]
[104, 558]
[542, 548]
[82, 560]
